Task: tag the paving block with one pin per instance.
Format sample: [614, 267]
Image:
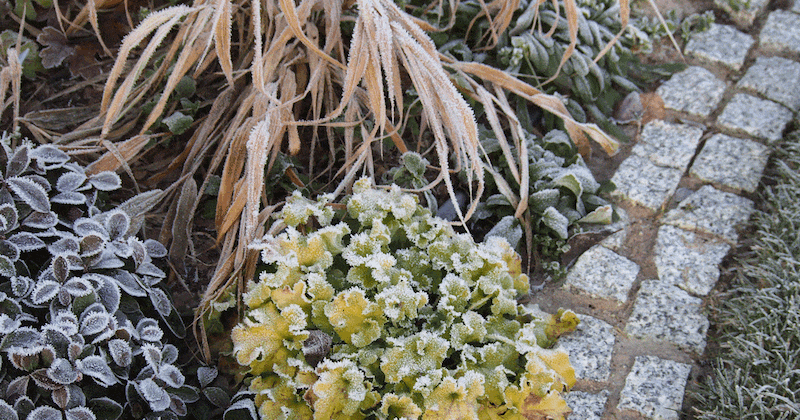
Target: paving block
[745, 16]
[757, 117]
[720, 44]
[732, 162]
[645, 183]
[711, 211]
[781, 33]
[587, 406]
[796, 6]
[590, 348]
[667, 144]
[603, 273]
[655, 387]
[665, 312]
[776, 78]
[695, 91]
[688, 260]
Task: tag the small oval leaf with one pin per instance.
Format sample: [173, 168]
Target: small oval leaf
[105, 181]
[31, 193]
[26, 241]
[70, 181]
[44, 291]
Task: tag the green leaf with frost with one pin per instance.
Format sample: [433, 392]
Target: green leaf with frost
[603, 215]
[341, 391]
[357, 320]
[553, 219]
[412, 356]
[178, 123]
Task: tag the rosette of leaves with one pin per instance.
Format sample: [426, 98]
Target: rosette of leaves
[85, 321]
[382, 311]
[563, 194]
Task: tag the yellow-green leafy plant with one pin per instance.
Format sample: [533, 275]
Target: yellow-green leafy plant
[384, 312]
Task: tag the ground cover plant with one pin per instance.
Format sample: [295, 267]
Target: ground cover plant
[88, 330]
[756, 372]
[383, 311]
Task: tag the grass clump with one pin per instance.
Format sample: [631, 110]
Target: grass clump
[758, 374]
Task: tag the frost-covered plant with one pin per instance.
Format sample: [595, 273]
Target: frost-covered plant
[82, 321]
[389, 313]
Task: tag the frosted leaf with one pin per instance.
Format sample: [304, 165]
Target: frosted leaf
[61, 268]
[149, 330]
[21, 286]
[108, 293]
[18, 162]
[17, 388]
[106, 408]
[70, 181]
[156, 396]
[38, 220]
[70, 198]
[7, 267]
[120, 352]
[65, 245]
[80, 413]
[78, 287]
[91, 244]
[41, 181]
[149, 269]
[7, 324]
[206, 375]
[400, 302]
[85, 226]
[62, 371]
[169, 354]
[108, 260]
[160, 301]
[217, 396]
[152, 355]
[9, 215]
[7, 412]
[298, 209]
[26, 241]
[39, 375]
[155, 249]
[171, 376]
[97, 368]
[177, 405]
[556, 221]
[139, 253]
[31, 193]
[105, 181]
[49, 156]
[45, 413]
[44, 291]
[117, 224]
[129, 283]
[94, 323]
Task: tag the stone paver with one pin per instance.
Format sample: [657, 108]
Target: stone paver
[695, 91]
[645, 183]
[590, 348]
[757, 117]
[711, 211]
[796, 6]
[587, 406]
[745, 16]
[688, 260]
[733, 162]
[720, 44]
[665, 312]
[781, 33]
[776, 78]
[655, 387]
[603, 273]
[666, 144]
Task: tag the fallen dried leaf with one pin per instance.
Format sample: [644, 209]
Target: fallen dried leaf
[56, 47]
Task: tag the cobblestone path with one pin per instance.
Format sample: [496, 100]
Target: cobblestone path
[685, 186]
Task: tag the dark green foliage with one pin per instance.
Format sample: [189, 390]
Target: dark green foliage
[85, 322]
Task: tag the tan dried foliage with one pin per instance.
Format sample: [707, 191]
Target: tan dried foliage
[287, 67]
